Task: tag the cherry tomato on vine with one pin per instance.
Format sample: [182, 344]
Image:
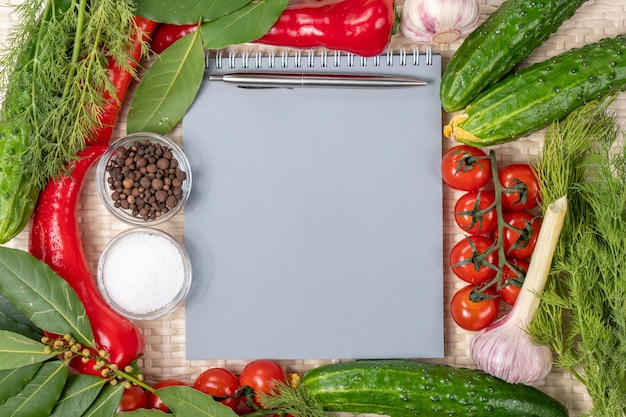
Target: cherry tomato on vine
[521, 230]
[154, 401]
[474, 315]
[133, 399]
[465, 168]
[509, 292]
[471, 258]
[475, 212]
[261, 375]
[220, 383]
[522, 185]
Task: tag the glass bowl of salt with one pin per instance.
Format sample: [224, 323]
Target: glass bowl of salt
[144, 273]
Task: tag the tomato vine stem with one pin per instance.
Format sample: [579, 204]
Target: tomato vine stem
[479, 293]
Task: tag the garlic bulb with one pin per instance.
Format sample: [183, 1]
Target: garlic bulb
[439, 21]
[504, 349]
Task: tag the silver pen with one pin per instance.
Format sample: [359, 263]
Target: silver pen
[290, 80]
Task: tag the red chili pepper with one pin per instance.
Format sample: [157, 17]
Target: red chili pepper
[362, 27]
[167, 33]
[55, 236]
[121, 79]
[55, 239]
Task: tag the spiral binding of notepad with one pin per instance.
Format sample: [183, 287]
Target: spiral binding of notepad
[299, 59]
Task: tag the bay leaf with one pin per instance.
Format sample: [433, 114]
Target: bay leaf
[244, 25]
[39, 395]
[143, 412]
[107, 402]
[187, 401]
[79, 393]
[13, 380]
[14, 320]
[186, 11]
[42, 295]
[17, 350]
[168, 88]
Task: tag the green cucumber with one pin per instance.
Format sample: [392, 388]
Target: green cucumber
[402, 388]
[18, 190]
[18, 193]
[502, 41]
[534, 97]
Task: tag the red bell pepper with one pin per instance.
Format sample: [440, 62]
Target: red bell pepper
[55, 239]
[362, 27]
[121, 79]
[167, 33]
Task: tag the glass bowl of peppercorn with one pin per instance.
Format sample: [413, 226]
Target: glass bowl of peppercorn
[143, 179]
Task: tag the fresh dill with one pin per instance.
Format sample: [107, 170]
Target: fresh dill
[582, 315]
[54, 76]
[295, 401]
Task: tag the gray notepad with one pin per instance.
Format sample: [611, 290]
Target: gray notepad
[315, 222]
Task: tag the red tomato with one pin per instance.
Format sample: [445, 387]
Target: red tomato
[510, 291]
[261, 375]
[134, 398]
[521, 230]
[471, 258]
[154, 401]
[522, 187]
[465, 168]
[471, 315]
[219, 383]
[475, 212]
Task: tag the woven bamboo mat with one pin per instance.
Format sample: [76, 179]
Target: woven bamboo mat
[164, 355]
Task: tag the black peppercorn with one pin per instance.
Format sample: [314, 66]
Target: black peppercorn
[145, 182]
[145, 179]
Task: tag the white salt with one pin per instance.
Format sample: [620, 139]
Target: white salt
[143, 272]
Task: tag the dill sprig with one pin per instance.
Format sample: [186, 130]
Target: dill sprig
[582, 315]
[54, 76]
[286, 399]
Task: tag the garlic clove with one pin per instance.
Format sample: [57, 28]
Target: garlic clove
[439, 21]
